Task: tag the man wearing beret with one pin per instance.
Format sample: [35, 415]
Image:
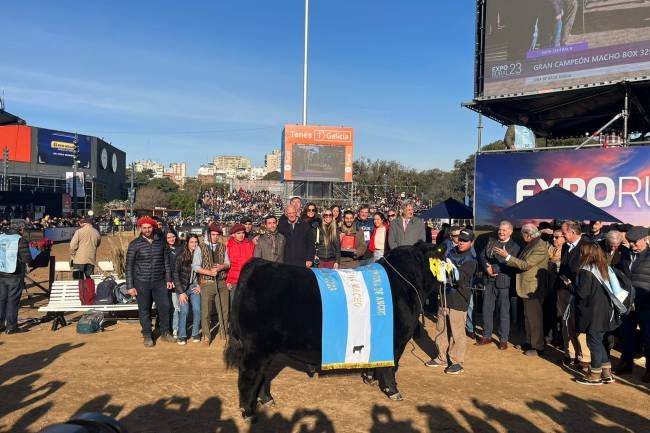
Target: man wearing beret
[635, 262]
[148, 278]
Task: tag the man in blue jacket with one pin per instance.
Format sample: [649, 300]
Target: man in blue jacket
[14, 258]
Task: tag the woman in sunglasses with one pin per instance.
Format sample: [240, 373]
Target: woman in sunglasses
[328, 245]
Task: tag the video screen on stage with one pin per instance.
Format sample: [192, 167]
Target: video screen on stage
[534, 46]
[317, 162]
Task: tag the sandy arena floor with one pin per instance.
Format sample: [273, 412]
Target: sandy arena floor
[46, 377]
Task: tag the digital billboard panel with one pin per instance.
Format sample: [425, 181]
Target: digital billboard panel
[614, 179]
[317, 153]
[57, 147]
[18, 139]
[533, 46]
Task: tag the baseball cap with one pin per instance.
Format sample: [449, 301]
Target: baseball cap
[466, 235]
[636, 233]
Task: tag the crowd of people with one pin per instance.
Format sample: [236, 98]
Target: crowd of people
[200, 275]
[239, 204]
[579, 289]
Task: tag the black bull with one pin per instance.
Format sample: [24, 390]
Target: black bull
[277, 314]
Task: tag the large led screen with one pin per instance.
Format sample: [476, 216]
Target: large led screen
[317, 162]
[533, 46]
[57, 148]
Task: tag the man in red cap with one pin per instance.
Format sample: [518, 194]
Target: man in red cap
[209, 263]
[238, 252]
[148, 278]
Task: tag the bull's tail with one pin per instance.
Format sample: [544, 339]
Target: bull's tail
[232, 354]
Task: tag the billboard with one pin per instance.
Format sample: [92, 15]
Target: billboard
[317, 153]
[57, 147]
[614, 179]
[534, 46]
[18, 139]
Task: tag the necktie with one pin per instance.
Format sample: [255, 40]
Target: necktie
[406, 222]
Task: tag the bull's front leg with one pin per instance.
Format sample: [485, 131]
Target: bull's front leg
[387, 383]
[250, 381]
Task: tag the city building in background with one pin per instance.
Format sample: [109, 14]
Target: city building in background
[225, 163]
[38, 161]
[273, 161]
[158, 168]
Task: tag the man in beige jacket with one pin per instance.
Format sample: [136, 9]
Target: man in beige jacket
[532, 264]
[83, 248]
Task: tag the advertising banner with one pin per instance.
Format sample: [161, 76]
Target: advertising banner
[614, 179]
[534, 46]
[18, 139]
[80, 184]
[318, 153]
[57, 148]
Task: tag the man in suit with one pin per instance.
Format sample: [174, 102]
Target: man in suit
[498, 281]
[635, 263]
[575, 346]
[299, 239]
[407, 229]
[532, 264]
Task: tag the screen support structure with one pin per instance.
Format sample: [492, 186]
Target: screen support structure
[625, 114]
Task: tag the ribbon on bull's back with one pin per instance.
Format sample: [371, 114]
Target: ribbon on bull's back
[357, 317]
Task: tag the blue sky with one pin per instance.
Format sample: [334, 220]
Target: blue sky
[222, 77]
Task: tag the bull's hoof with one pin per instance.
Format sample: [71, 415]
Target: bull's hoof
[369, 380]
[266, 402]
[393, 394]
[396, 397]
[248, 417]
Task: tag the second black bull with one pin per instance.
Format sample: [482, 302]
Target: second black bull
[277, 315]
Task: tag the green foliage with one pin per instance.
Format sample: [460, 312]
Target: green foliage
[140, 179]
[184, 201]
[164, 184]
[274, 175]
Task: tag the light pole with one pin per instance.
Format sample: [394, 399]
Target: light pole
[304, 71]
[75, 155]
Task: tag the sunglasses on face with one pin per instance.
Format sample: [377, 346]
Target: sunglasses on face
[311, 209]
[392, 215]
[454, 236]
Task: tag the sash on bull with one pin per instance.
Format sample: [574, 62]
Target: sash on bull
[276, 320]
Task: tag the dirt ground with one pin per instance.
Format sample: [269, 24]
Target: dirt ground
[46, 377]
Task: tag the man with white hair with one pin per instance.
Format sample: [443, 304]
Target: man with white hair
[498, 280]
[299, 246]
[613, 248]
[407, 229]
[13, 262]
[532, 262]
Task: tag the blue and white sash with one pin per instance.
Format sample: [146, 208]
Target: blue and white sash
[357, 318]
[8, 253]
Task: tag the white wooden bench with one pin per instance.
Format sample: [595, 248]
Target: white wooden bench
[64, 297]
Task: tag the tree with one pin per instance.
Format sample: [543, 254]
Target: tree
[149, 197]
[183, 201]
[274, 175]
[141, 178]
[164, 184]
